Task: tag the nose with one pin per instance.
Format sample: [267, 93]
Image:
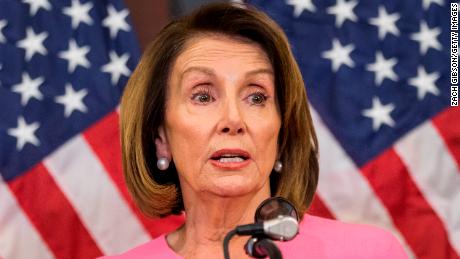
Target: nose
[231, 122]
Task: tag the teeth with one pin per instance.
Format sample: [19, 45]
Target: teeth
[229, 155]
[230, 159]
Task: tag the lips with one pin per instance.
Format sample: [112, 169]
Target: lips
[230, 159]
[228, 154]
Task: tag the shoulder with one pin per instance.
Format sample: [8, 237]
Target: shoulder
[327, 238]
[322, 227]
[157, 248]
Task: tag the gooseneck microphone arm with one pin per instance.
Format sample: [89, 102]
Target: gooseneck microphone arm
[243, 230]
[227, 241]
[281, 228]
[276, 219]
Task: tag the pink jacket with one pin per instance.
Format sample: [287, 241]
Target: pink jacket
[317, 238]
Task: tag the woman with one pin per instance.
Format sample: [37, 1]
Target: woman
[215, 120]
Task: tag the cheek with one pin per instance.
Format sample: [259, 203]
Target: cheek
[265, 130]
[188, 136]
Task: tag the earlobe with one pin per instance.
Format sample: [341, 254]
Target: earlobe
[162, 145]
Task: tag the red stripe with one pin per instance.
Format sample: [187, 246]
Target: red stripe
[319, 208]
[412, 215]
[52, 215]
[104, 139]
[448, 125]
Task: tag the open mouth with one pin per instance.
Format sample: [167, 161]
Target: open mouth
[230, 156]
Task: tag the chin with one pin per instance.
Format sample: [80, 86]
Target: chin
[233, 186]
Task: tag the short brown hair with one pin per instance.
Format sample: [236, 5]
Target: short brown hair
[143, 109]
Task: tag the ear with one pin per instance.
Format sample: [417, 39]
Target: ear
[162, 145]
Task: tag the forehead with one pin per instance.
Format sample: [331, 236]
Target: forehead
[207, 49]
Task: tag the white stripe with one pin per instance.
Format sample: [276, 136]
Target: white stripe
[18, 237]
[90, 190]
[343, 188]
[436, 174]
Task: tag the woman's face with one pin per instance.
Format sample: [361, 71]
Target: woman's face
[222, 120]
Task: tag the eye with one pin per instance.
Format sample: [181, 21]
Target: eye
[203, 97]
[257, 98]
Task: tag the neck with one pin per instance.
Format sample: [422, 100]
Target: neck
[209, 219]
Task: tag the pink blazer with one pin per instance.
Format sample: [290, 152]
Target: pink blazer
[317, 238]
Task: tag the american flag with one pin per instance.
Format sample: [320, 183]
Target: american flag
[63, 66]
[378, 78]
[377, 74]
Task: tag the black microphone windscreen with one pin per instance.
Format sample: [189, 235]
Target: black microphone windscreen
[273, 208]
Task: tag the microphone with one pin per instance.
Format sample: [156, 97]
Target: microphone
[277, 219]
[282, 228]
[273, 207]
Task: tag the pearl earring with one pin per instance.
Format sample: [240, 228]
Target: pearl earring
[278, 166]
[163, 163]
